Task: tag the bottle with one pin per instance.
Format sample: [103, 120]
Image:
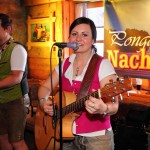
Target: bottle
[138, 84]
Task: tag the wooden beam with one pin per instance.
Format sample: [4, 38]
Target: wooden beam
[95, 4]
[38, 2]
[87, 0]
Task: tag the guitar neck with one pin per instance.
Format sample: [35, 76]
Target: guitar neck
[77, 105]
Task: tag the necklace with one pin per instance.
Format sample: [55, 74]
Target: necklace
[77, 71]
[79, 66]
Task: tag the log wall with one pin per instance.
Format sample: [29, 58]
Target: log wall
[39, 53]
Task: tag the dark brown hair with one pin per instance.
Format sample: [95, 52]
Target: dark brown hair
[5, 21]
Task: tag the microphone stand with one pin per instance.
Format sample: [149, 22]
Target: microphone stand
[60, 95]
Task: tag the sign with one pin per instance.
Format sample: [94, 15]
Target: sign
[127, 38]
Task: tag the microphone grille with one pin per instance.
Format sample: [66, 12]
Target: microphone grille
[75, 47]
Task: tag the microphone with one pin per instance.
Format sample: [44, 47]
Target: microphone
[74, 45]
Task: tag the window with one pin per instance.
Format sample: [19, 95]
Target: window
[97, 15]
[94, 11]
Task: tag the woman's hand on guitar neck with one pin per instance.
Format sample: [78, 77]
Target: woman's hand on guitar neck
[96, 106]
[47, 107]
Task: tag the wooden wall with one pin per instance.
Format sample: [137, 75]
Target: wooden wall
[17, 13]
[39, 52]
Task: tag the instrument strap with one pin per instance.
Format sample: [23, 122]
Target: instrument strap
[88, 77]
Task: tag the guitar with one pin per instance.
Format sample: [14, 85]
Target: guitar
[47, 128]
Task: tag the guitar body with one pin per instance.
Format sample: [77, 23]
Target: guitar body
[44, 130]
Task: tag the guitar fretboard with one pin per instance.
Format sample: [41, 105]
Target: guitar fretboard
[77, 105]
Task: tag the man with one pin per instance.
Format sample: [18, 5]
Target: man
[13, 58]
